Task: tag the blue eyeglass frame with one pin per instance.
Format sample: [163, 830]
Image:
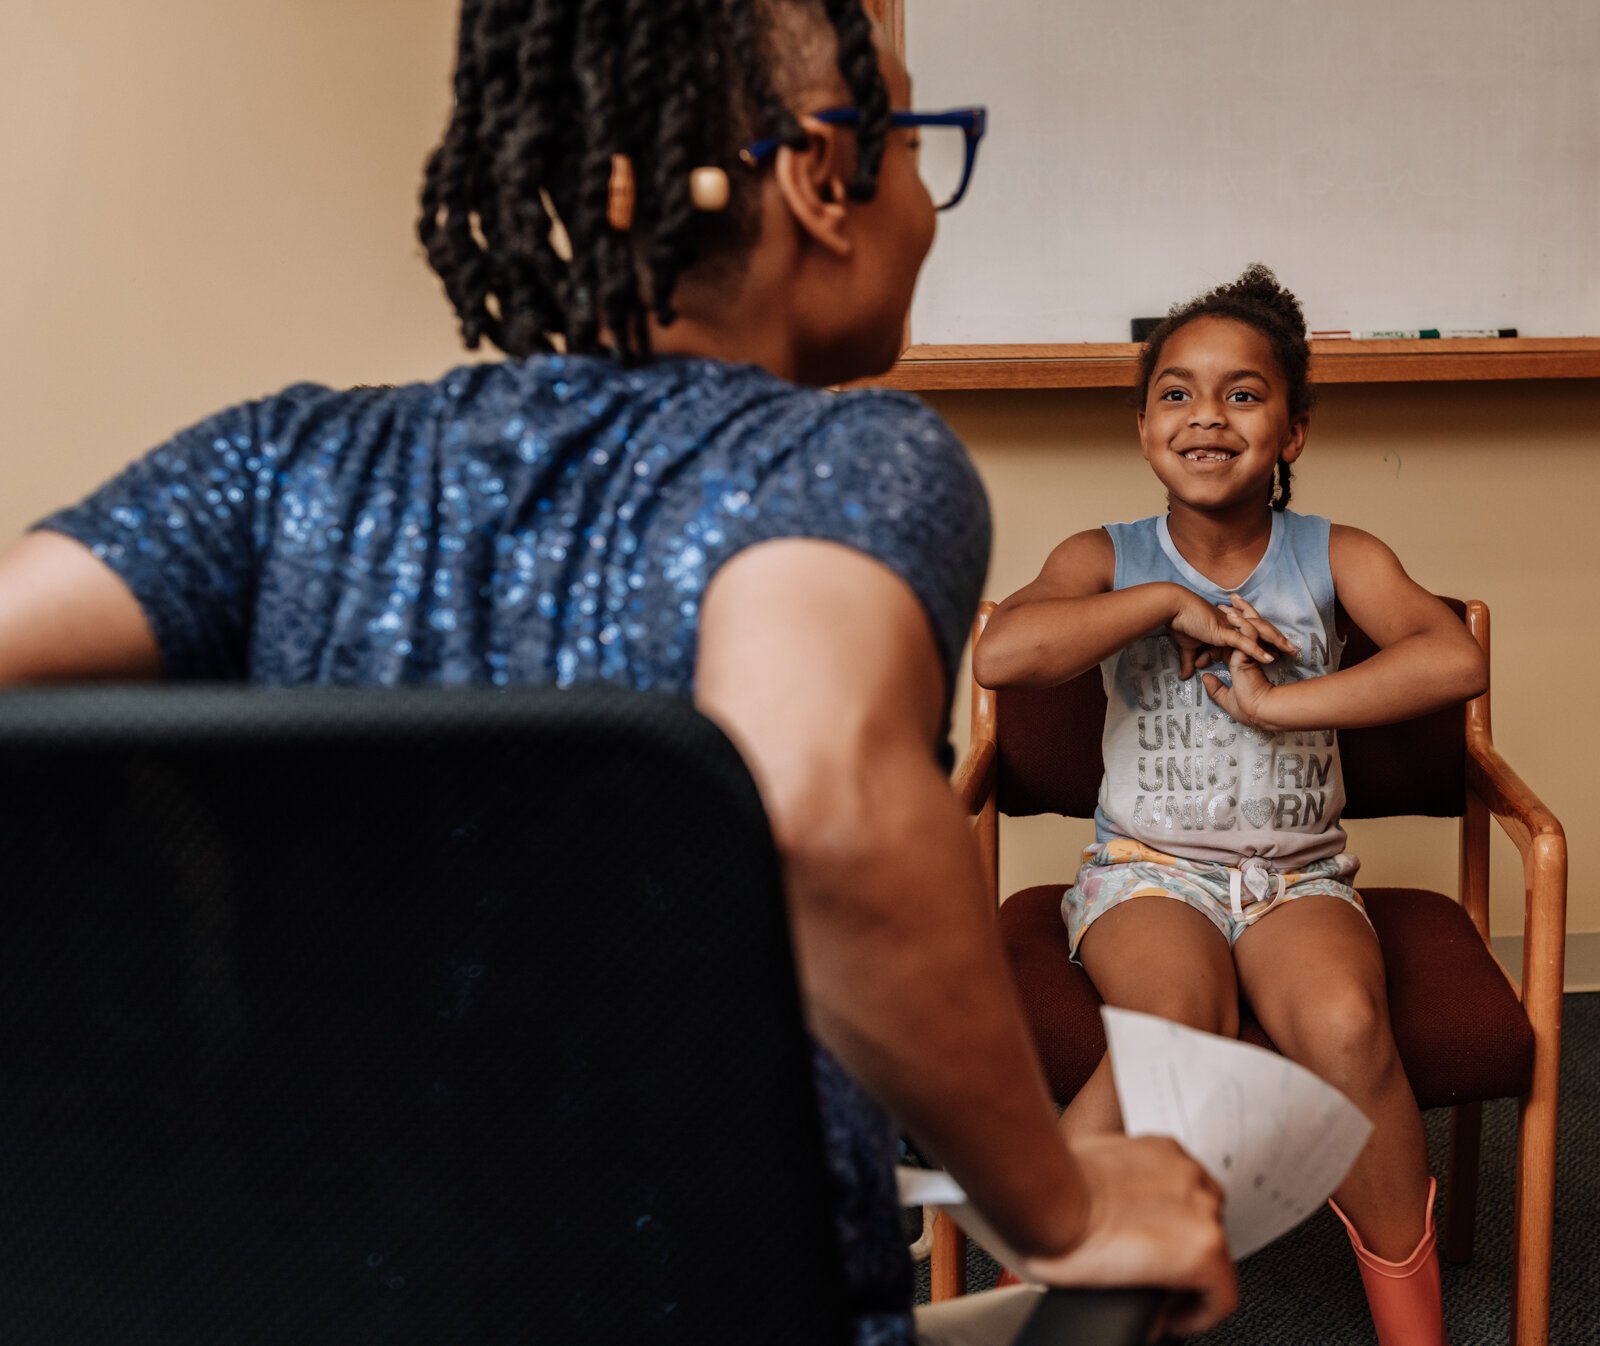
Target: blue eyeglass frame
[973, 121]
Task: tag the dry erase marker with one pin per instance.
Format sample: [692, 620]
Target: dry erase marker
[1415, 334]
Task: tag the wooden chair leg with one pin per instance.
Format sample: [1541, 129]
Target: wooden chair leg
[1535, 1218]
[947, 1264]
[1461, 1201]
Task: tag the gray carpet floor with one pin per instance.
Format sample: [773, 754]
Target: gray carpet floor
[1303, 1290]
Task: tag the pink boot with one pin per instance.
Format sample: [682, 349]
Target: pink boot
[1403, 1296]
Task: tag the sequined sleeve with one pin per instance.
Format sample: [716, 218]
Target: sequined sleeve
[176, 527]
[883, 474]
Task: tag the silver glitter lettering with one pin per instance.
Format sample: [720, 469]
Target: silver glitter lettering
[1179, 774]
[1185, 736]
[1220, 816]
[1145, 656]
[1216, 764]
[1175, 813]
[1311, 738]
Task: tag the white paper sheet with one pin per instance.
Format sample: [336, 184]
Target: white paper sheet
[934, 1187]
[1276, 1138]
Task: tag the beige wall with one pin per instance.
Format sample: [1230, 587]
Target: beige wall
[205, 201]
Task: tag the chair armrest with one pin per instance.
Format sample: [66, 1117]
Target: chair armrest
[1521, 813]
[1532, 827]
[974, 778]
[1539, 838]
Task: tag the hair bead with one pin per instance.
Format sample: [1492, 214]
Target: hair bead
[621, 194]
[708, 188]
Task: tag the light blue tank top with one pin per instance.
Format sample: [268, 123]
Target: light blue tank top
[1181, 775]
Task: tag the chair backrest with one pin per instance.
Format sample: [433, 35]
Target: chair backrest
[406, 1017]
[1050, 762]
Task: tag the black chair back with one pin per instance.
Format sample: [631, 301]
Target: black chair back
[336, 1017]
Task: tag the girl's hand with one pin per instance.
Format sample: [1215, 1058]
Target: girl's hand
[1205, 637]
[1245, 619]
[1247, 700]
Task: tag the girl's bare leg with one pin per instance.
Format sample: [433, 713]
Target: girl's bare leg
[1158, 955]
[1313, 973]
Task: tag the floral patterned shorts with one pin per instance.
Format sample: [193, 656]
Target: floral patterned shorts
[1233, 899]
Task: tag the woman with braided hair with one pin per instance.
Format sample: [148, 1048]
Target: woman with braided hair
[679, 220]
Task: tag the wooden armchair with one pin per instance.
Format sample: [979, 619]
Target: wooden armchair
[1464, 1032]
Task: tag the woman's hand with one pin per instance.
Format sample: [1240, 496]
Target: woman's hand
[1154, 1219]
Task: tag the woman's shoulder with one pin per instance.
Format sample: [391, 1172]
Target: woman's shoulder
[896, 437]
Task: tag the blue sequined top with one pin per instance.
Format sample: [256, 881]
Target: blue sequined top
[555, 520]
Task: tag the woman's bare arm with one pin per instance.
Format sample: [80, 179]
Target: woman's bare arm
[821, 665]
[65, 616]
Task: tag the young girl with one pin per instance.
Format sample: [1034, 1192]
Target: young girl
[1219, 867]
[678, 220]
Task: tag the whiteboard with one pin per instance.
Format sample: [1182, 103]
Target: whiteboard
[1398, 163]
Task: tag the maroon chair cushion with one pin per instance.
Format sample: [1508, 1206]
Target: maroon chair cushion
[1461, 1031]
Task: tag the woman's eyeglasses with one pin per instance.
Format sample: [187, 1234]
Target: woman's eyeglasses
[947, 147]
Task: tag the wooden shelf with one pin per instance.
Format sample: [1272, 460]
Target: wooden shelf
[1114, 364]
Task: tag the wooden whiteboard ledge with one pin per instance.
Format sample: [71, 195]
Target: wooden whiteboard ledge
[1114, 364]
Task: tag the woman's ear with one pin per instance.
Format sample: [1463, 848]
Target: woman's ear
[811, 182]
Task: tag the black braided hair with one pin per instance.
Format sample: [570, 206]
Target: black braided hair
[547, 91]
[858, 63]
[1259, 301]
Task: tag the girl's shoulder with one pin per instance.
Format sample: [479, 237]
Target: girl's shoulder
[1354, 553]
